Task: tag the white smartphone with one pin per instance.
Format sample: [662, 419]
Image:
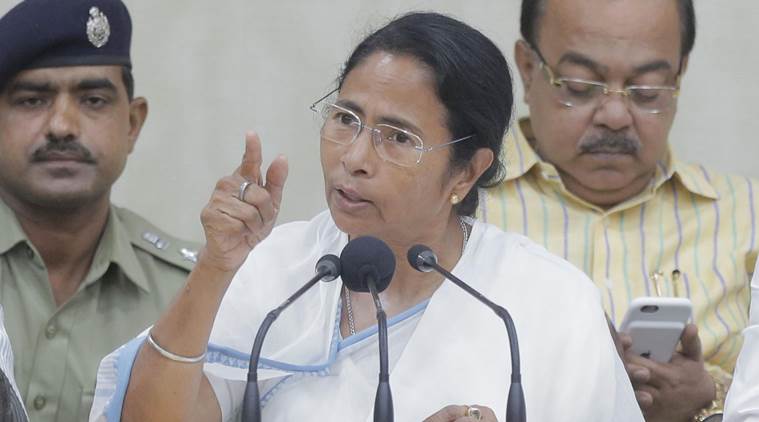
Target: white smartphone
[655, 325]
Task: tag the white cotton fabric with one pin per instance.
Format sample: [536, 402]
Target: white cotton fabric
[742, 403]
[357, 359]
[454, 351]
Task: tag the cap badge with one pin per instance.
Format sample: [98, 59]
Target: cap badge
[98, 28]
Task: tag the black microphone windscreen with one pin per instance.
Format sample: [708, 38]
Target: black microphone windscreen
[419, 256]
[329, 267]
[365, 257]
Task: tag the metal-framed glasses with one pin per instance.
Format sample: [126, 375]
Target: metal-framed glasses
[399, 146]
[575, 92]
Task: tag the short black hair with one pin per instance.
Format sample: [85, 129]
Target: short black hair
[128, 78]
[533, 10]
[472, 81]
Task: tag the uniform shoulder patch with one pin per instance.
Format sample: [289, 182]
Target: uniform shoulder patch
[149, 238]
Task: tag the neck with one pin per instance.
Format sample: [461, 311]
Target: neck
[606, 199]
[65, 239]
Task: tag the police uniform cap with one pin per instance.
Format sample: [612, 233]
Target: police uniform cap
[54, 33]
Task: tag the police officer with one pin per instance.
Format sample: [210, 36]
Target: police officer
[78, 275]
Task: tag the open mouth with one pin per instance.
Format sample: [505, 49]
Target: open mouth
[350, 196]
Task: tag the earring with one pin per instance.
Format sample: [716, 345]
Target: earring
[455, 199]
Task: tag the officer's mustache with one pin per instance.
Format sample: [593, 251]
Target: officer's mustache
[56, 148]
[609, 143]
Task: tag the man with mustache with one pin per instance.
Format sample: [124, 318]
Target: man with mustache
[78, 275]
[591, 176]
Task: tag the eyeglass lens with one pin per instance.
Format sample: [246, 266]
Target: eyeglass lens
[342, 126]
[579, 93]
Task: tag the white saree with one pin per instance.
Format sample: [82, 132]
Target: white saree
[447, 350]
[742, 403]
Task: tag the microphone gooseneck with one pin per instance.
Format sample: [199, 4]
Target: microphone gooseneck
[423, 259]
[368, 265]
[328, 268]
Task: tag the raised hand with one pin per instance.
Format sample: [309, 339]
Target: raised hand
[243, 208]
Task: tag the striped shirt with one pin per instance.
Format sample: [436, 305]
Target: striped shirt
[691, 233]
[11, 408]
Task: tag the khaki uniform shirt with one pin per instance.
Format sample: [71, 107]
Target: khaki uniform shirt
[135, 273]
[691, 233]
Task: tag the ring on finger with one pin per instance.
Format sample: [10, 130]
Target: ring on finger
[473, 412]
[243, 187]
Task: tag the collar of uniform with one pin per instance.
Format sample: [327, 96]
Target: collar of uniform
[11, 233]
[520, 158]
[116, 247]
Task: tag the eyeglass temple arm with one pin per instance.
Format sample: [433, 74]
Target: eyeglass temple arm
[434, 147]
[313, 106]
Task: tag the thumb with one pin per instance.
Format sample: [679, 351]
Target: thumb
[276, 176]
[691, 342]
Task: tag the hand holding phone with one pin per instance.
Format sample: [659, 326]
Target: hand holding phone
[655, 325]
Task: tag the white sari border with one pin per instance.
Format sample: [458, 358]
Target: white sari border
[116, 368]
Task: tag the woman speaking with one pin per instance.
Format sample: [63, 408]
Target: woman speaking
[412, 131]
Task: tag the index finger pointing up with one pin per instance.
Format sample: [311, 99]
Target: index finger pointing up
[250, 167]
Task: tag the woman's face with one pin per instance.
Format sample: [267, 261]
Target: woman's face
[370, 196]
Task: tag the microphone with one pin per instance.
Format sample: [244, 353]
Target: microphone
[368, 266]
[327, 269]
[423, 259]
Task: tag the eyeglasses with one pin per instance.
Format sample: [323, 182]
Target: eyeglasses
[574, 92]
[396, 145]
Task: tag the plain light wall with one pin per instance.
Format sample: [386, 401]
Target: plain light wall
[212, 70]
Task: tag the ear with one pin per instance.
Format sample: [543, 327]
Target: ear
[138, 113]
[684, 65]
[468, 176]
[525, 59]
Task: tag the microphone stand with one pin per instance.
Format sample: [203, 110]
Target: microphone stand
[515, 407]
[383, 401]
[251, 408]
[368, 265]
